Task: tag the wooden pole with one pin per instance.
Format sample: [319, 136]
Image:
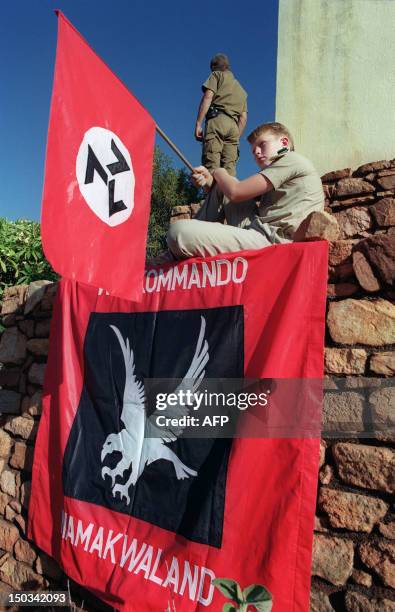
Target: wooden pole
[175, 149]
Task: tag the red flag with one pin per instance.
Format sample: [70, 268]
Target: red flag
[98, 172]
[142, 522]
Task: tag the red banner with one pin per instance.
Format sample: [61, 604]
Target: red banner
[143, 519]
[98, 172]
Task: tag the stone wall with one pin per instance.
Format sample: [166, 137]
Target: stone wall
[26, 314]
[354, 547]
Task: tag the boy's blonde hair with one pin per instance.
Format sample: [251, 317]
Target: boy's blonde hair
[278, 129]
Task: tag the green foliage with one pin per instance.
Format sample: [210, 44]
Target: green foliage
[170, 187]
[255, 596]
[21, 257]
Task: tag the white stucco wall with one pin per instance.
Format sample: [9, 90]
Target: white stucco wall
[336, 79]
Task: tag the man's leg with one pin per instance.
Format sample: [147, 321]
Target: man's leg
[212, 147]
[202, 238]
[230, 149]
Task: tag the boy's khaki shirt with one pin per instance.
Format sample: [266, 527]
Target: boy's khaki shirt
[297, 192]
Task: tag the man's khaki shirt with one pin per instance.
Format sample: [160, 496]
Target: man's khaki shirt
[229, 96]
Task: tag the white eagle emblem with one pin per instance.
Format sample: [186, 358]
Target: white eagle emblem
[141, 442]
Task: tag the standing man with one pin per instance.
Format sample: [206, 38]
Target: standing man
[224, 106]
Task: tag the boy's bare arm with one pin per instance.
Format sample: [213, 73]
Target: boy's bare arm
[232, 188]
[239, 191]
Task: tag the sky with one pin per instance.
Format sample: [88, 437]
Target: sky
[161, 51]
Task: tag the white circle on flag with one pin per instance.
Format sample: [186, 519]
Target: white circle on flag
[105, 175]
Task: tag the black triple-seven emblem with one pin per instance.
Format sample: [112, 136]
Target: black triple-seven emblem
[115, 168]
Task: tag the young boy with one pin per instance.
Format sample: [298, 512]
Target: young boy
[259, 211]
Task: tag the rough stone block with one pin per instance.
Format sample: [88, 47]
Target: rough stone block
[356, 602]
[353, 221]
[345, 203]
[340, 251]
[388, 530]
[364, 273]
[362, 578]
[343, 412]
[43, 328]
[24, 552]
[369, 467]
[6, 443]
[27, 327]
[36, 373]
[9, 402]
[22, 457]
[387, 182]
[332, 559]
[379, 250]
[9, 377]
[383, 363]
[13, 299]
[20, 576]
[382, 405]
[22, 427]
[38, 346]
[350, 510]
[388, 171]
[383, 164]
[370, 322]
[345, 361]
[9, 483]
[12, 346]
[35, 294]
[9, 534]
[352, 186]
[9, 320]
[4, 499]
[317, 226]
[379, 556]
[384, 212]
[335, 175]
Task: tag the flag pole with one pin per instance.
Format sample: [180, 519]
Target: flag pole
[175, 149]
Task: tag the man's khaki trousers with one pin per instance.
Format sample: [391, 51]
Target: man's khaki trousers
[221, 144]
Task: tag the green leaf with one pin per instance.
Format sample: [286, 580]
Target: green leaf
[256, 593]
[263, 606]
[229, 588]
[228, 607]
